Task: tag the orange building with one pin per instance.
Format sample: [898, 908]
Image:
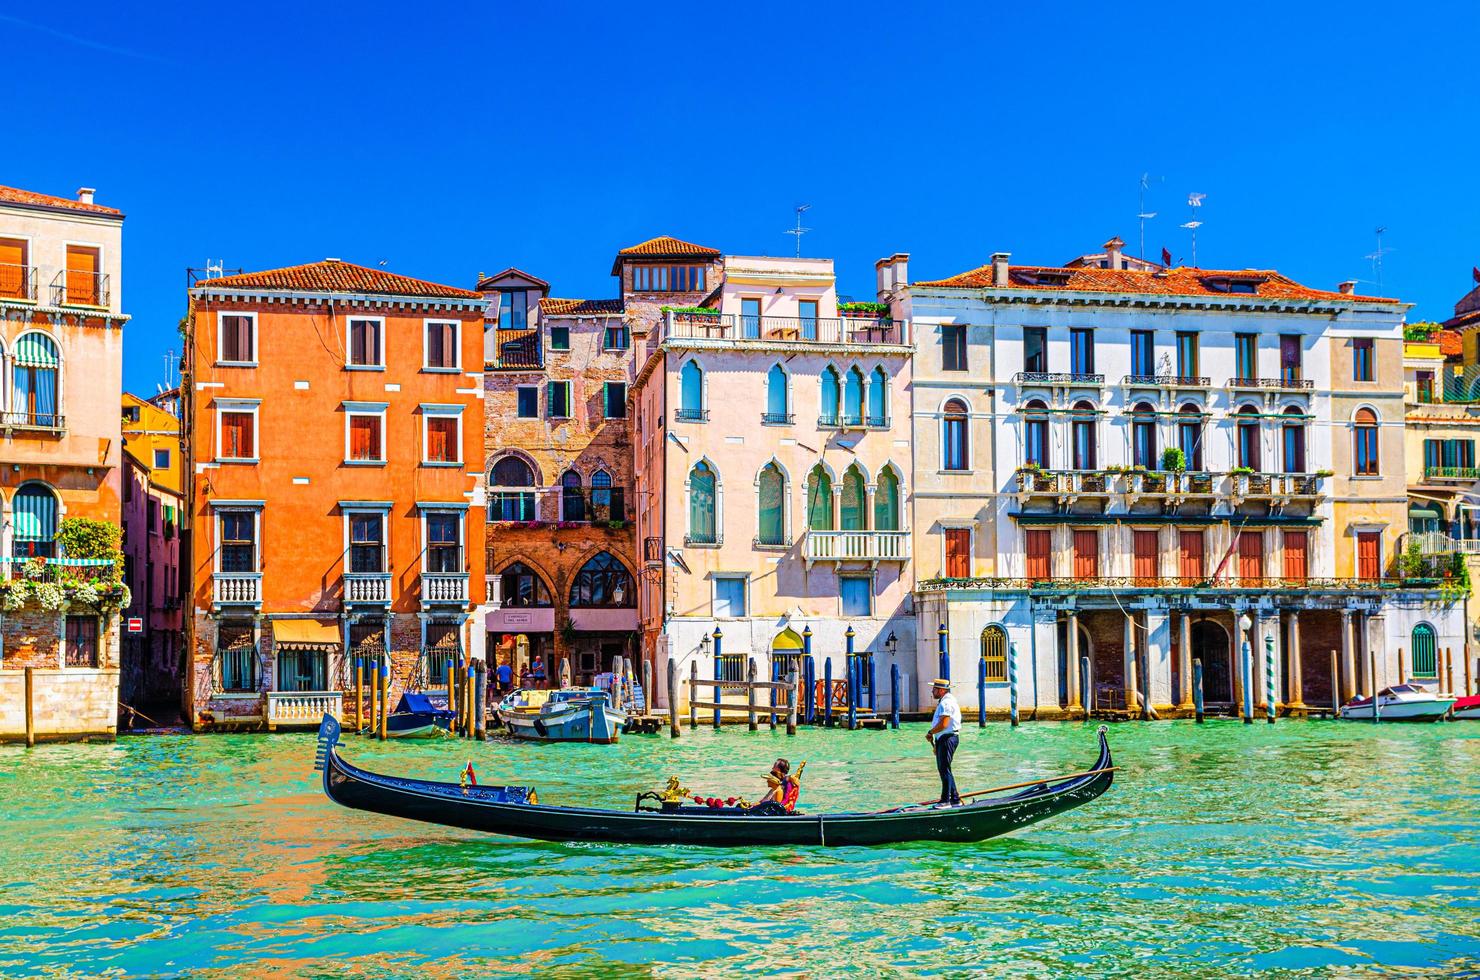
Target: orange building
[335, 445]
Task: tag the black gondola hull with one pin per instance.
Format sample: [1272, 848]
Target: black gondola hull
[478, 808]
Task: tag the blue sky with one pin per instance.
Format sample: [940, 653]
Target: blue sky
[449, 139]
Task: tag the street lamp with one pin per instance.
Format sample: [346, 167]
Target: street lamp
[892, 643]
[704, 645]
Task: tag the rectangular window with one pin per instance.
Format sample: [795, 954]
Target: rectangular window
[82, 641]
[529, 401]
[857, 593]
[558, 399]
[441, 345]
[17, 279]
[1246, 356]
[750, 318]
[1251, 555]
[1191, 565]
[236, 658]
[161, 459]
[952, 347]
[238, 435]
[1081, 351]
[366, 442]
[668, 278]
[513, 309]
[807, 313]
[444, 542]
[1086, 555]
[614, 398]
[238, 338]
[958, 552]
[443, 444]
[1424, 383]
[1039, 544]
[616, 337]
[1290, 357]
[365, 342]
[85, 279]
[442, 647]
[1143, 353]
[560, 338]
[303, 668]
[1369, 554]
[1147, 554]
[1035, 349]
[1362, 359]
[729, 596]
[239, 541]
[1187, 359]
[367, 543]
[1295, 552]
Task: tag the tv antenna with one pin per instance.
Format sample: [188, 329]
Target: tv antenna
[1194, 201]
[1376, 258]
[169, 370]
[1143, 215]
[215, 271]
[799, 231]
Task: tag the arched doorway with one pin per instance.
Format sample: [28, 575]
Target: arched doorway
[786, 654]
[1210, 645]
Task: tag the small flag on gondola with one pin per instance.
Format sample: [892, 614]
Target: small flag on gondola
[1166, 257]
[468, 774]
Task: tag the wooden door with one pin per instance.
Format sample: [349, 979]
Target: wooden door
[1191, 562]
[958, 552]
[1086, 554]
[1369, 554]
[82, 276]
[1040, 554]
[1146, 550]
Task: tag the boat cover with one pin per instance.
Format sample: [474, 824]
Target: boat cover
[417, 703]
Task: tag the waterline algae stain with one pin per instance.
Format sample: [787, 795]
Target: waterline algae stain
[1310, 849]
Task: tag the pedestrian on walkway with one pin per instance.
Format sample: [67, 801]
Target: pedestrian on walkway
[943, 734]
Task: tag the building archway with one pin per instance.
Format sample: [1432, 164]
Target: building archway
[1210, 645]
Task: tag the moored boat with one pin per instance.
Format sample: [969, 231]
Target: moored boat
[417, 716]
[1401, 702]
[568, 715]
[514, 811]
[1466, 709]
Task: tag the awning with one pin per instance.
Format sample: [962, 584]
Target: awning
[299, 634]
[33, 514]
[1424, 514]
[36, 350]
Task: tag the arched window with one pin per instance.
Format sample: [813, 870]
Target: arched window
[520, 587]
[778, 401]
[853, 502]
[1035, 434]
[831, 398]
[994, 653]
[819, 500]
[1143, 435]
[691, 393]
[33, 521]
[1364, 453]
[886, 501]
[1086, 450]
[955, 437]
[602, 582]
[1425, 659]
[878, 398]
[1248, 439]
[853, 397]
[37, 371]
[1293, 440]
[1189, 436]
[572, 500]
[505, 502]
[606, 502]
[771, 524]
[703, 526]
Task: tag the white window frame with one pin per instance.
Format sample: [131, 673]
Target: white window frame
[426, 347]
[251, 406]
[605, 399]
[219, 509]
[349, 350]
[358, 409]
[348, 510]
[221, 339]
[961, 524]
[872, 605]
[461, 510]
[719, 506]
[167, 459]
[102, 268]
[536, 390]
[570, 397]
[440, 412]
[744, 579]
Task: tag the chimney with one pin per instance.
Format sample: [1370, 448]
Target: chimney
[85, 194]
[1347, 288]
[892, 274]
[1113, 253]
[999, 268]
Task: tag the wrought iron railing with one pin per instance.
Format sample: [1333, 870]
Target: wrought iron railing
[71, 287]
[1439, 543]
[54, 569]
[777, 418]
[691, 414]
[803, 330]
[1121, 582]
[1056, 378]
[33, 420]
[17, 281]
[1165, 381]
[1290, 384]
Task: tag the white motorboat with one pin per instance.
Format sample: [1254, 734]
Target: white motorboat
[1401, 702]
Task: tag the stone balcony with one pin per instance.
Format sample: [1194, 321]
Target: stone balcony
[237, 589]
[302, 709]
[367, 588]
[444, 588]
[869, 546]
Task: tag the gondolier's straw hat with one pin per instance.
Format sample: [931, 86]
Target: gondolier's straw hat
[941, 682]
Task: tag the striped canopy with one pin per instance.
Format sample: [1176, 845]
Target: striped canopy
[36, 350]
[33, 514]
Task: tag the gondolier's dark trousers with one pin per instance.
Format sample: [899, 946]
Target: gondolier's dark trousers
[945, 750]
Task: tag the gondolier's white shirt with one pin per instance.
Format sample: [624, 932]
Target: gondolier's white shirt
[947, 708]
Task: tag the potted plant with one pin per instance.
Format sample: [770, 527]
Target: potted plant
[1173, 460]
[869, 311]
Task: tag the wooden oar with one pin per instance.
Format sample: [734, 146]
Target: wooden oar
[999, 789]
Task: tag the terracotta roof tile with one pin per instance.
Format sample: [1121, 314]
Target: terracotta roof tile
[579, 307]
[1463, 322]
[1451, 344]
[1180, 281]
[334, 276]
[14, 195]
[664, 247]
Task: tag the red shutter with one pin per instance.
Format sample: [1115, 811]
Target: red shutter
[1193, 565]
[1040, 554]
[82, 275]
[13, 271]
[442, 440]
[958, 552]
[1369, 550]
[1251, 555]
[1147, 550]
[237, 435]
[364, 437]
[1295, 561]
[1086, 554]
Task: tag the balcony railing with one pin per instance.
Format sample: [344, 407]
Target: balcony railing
[1137, 483]
[777, 418]
[374, 587]
[588, 505]
[857, 546]
[1439, 543]
[1231, 583]
[307, 708]
[1466, 473]
[73, 288]
[238, 588]
[48, 421]
[517, 349]
[1057, 378]
[799, 330]
[1275, 384]
[1165, 381]
[54, 569]
[444, 587]
[691, 415]
[1277, 485]
[17, 282]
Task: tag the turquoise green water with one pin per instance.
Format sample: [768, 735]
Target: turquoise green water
[1306, 849]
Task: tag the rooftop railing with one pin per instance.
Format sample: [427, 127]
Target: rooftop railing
[802, 330]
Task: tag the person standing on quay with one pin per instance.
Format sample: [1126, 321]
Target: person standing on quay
[944, 734]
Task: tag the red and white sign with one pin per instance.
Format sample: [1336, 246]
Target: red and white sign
[135, 624]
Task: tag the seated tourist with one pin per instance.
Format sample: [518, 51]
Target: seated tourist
[785, 789]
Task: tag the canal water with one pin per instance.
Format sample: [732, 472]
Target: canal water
[1302, 849]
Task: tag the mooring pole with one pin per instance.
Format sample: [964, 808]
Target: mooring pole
[1197, 690]
[750, 724]
[894, 696]
[385, 699]
[1246, 670]
[791, 702]
[981, 692]
[873, 702]
[827, 699]
[944, 636]
[809, 677]
[359, 693]
[693, 694]
[1089, 692]
[853, 672]
[1012, 683]
[1335, 689]
[719, 639]
[672, 698]
[480, 702]
[30, 707]
[1271, 686]
[1376, 684]
[372, 688]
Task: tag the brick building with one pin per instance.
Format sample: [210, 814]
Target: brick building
[334, 417]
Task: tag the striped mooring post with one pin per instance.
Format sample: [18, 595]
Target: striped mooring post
[894, 696]
[809, 677]
[1271, 687]
[853, 677]
[1012, 682]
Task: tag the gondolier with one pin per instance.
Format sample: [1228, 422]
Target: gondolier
[944, 735]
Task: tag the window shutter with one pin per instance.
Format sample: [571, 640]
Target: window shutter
[1295, 555]
[1086, 554]
[1040, 560]
[1146, 551]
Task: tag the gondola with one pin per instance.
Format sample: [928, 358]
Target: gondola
[514, 811]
